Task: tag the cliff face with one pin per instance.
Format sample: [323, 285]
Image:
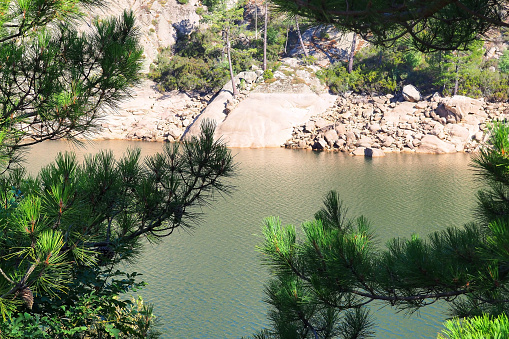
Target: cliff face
[158, 20]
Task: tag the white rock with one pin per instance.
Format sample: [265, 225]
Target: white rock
[432, 144]
[410, 93]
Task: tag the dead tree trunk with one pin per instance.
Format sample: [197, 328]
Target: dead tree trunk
[300, 37]
[352, 53]
[228, 47]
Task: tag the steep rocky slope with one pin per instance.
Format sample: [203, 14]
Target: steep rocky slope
[158, 20]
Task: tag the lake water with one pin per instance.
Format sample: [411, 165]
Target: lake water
[209, 283]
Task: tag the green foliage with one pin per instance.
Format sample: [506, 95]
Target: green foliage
[64, 231]
[68, 77]
[361, 80]
[267, 74]
[430, 26]
[198, 61]
[387, 70]
[482, 327]
[503, 63]
[324, 276]
[200, 11]
[182, 2]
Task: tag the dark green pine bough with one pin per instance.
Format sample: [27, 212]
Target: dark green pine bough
[64, 232]
[431, 25]
[322, 283]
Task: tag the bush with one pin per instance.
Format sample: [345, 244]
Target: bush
[267, 74]
[503, 63]
[200, 11]
[361, 80]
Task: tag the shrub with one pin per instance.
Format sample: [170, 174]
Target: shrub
[200, 11]
[503, 63]
[267, 75]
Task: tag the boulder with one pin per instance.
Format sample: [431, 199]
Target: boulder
[399, 112]
[365, 142]
[320, 145]
[341, 129]
[432, 144]
[458, 131]
[331, 136]
[309, 126]
[460, 106]
[267, 119]
[387, 141]
[410, 93]
[249, 77]
[359, 151]
[373, 128]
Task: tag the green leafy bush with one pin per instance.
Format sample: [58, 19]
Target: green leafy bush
[503, 63]
[200, 11]
[361, 80]
[267, 74]
[386, 70]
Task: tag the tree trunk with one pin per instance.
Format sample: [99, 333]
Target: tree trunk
[300, 37]
[265, 36]
[256, 19]
[352, 52]
[234, 88]
[286, 41]
[456, 81]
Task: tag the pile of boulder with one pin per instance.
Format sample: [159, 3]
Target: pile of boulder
[375, 125]
[152, 116]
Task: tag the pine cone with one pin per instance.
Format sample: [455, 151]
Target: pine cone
[27, 296]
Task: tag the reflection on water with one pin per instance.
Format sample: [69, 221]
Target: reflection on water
[209, 284]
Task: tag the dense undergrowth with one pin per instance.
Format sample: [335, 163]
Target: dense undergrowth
[198, 62]
[387, 70]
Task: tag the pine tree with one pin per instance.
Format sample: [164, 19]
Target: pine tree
[431, 25]
[55, 81]
[64, 232]
[321, 284]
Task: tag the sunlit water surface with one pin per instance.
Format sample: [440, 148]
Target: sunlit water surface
[209, 283]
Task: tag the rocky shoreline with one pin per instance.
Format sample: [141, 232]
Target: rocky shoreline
[375, 125]
[294, 110]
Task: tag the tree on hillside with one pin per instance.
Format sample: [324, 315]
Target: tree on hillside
[265, 23]
[432, 25]
[321, 284]
[64, 232]
[224, 20]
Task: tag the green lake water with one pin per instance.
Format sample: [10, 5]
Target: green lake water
[209, 283]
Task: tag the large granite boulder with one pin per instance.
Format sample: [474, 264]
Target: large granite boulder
[396, 114]
[459, 106]
[432, 144]
[410, 93]
[262, 119]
